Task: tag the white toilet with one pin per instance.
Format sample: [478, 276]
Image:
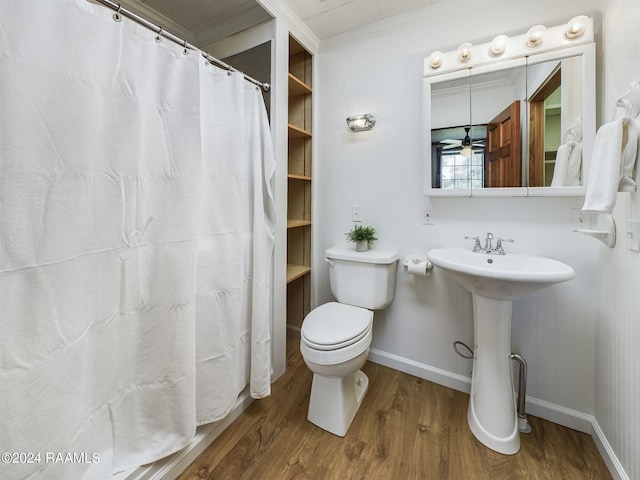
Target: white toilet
[335, 337]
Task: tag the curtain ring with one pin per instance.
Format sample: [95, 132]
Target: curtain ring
[159, 36]
[116, 16]
[229, 73]
[186, 50]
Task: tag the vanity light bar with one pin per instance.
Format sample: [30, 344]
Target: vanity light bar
[539, 39]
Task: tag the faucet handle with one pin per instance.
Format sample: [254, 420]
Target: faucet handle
[499, 250]
[476, 247]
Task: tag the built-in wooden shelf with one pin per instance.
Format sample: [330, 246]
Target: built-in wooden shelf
[299, 171]
[295, 223]
[297, 86]
[299, 177]
[296, 271]
[297, 132]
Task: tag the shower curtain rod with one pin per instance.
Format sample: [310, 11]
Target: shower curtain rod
[120, 10]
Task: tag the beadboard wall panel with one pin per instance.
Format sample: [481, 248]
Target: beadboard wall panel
[618, 333]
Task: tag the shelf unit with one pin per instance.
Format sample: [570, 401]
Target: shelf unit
[299, 185]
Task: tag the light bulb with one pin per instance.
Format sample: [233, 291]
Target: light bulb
[464, 52]
[498, 45]
[576, 27]
[435, 60]
[534, 35]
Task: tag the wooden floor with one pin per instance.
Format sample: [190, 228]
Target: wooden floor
[406, 429]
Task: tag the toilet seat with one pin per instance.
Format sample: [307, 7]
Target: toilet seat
[334, 333]
[335, 325]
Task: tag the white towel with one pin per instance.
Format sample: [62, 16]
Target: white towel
[574, 166]
[615, 146]
[568, 165]
[562, 164]
[629, 157]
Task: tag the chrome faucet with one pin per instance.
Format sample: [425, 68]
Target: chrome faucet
[488, 246]
[487, 243]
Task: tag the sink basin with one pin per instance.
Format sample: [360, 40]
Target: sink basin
[494, 282]
[503, 277]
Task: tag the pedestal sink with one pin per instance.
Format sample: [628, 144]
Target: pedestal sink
[494, 282]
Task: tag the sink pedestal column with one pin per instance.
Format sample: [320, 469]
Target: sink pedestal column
[492, 414]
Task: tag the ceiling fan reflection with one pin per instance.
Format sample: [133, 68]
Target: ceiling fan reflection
[465, 144]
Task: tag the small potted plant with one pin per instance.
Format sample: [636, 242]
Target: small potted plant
[362, 236]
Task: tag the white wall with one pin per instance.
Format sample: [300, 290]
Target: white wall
[618, 331]
[380, 72]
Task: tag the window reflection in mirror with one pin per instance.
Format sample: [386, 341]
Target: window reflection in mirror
[450, 114]
[458, 161]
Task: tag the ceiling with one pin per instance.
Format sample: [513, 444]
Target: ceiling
[331, 17]
[206, 21]
[201, 21]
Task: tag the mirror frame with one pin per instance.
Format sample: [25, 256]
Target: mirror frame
[559, 47]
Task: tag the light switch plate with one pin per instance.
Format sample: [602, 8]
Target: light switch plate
[427, 218]
[356, 213]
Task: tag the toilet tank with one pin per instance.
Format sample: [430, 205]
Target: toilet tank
[364, 279]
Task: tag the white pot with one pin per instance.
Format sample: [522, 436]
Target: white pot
[362, 246]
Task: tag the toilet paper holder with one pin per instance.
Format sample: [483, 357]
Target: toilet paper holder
[417, 259]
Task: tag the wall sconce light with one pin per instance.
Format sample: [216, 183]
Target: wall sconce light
[464, 52]
[435, 60]
[498, 45]
[576, 27]
[361, 123]
[534, 35]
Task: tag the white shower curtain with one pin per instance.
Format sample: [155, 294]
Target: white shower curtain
[236, 238]
[136, 238]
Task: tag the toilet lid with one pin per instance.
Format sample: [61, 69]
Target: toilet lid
[335, 325]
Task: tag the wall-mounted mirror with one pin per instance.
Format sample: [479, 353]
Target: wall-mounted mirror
[518, 126]
[561, 104]
[498, 101]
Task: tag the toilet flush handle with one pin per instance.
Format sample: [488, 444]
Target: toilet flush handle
[330, 261]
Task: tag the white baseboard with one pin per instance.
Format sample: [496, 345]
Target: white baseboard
[566, 417]
[171, 467]
[608, 455]
[421, 370]
[549, 411]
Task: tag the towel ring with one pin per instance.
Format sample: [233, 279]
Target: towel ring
[575, 131]
[630, 101]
